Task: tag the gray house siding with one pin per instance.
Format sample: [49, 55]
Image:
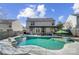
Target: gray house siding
[9, 28]
[72, 23]
[39, 25]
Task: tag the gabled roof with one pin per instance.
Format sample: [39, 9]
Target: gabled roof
[40, 19]
[6, 21]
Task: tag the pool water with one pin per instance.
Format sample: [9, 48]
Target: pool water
[44, 42]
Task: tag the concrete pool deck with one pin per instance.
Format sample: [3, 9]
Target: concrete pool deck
[7, 48]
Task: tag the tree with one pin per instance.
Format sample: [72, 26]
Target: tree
[52, 29]
[59, 25]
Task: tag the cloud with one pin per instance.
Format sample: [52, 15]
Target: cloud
[41, 9]
[76, 8]
[27, 12]
[32, 12]
[32, 6]
[53, 10]
[60, 18]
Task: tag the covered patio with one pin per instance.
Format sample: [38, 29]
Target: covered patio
[42, 30]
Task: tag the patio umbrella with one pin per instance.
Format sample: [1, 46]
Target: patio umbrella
[61, 32]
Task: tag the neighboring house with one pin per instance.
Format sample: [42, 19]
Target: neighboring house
[10, 24]
[39, 25]
[9, 28]
[72, 23]
[16, 26]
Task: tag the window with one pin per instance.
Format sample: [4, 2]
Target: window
[10, 26]
[31, 29]
[52, 23]
[9, 30]
[37, 30]
[32, 23]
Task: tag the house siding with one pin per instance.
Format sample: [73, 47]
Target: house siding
[72, 23]
[4, 27]
[39, 25]
[16, 26]
[9, 28]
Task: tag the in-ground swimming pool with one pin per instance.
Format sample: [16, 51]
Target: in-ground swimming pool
[45, 42]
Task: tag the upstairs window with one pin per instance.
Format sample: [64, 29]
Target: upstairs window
[10, 26]
[52, 23]
[32, 23]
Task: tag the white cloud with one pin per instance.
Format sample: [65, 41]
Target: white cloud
[31, 5]
[76, 8]
[41, 9]
[31, 12]
[60, 18]
[27, 12]
[53, 10]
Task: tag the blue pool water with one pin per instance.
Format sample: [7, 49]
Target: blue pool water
[45, 42]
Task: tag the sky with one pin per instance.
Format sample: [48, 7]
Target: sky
[20, 11]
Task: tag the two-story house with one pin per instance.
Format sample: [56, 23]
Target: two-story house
[9, 28]
[39, 25]
[10, 24]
